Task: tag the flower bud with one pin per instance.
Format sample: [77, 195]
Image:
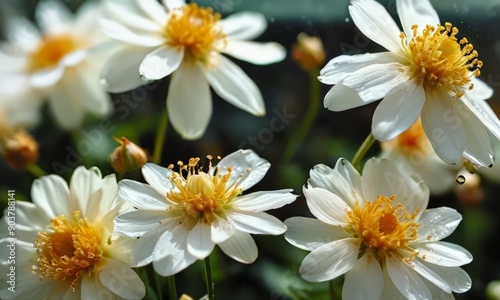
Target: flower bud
[308, 52]
[127, 157]
[19, 150]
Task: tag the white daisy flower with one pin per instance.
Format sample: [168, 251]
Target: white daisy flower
[181, 216]
[60, 63]
[187, 40]
[428, 71]
[65, 248]
[413, 150]
[375, 229]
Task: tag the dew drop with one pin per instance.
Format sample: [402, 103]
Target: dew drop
[460, 179]
[346, 20]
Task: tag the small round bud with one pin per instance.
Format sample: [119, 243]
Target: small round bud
[127, 157]
[19, 150]
[308, 52]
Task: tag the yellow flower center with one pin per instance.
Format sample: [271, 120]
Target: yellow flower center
[438, 59]
[197, 30]
[51, 50]
[383, 228]
[202, 194]
[413, 141]
[68, 250]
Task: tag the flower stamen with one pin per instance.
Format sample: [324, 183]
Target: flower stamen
[51, 50]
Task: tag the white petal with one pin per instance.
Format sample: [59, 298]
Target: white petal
[66, 109]
[119, 32]
[122, 280]
[189, 102]
[221, 230]
[437, 223]
[47, 77]
[199, 242]
[443, 253]
[105, 202]
[153, 9]
[53, 17]
[142, 251]
[340, 98]
[430, 275]
[233, 85]
[265, 200]
[416, 12]
[309, 233]
[119, 77]
[93, 95]
[92, 288]
[330, 260]
[240, 247]
[171, 255]
[443, 127]
[23, 34]
[406, 279]
[160, 63]
[51, 194]
[456, 278]
[255, 53]
[157, 177]
[338, 68]
[83, 184]
[398, 111]
[365, 280]
[30, 220]
[376, 23]
[131, 17]
[484, 113]
[256, 223]
[375, 81]
[390, 290]
[244, 25]
[326, 206]
[137, 223]
[172, 4]
[248, 168]
[141, 195]
[481, 90]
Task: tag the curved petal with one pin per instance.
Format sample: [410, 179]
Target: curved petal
[47, 77]
[365, 280]
[23, 34]
[117, 76]
[157, 177]
[309, 234]
[255, 223]
[233, 85]
[139, 222]
[173, 4]
[416, 12]
[376, 81]
[142, 251]
[66, 108]
[330, 260]
[221, 230]
[30, 220]
[340, 98]
[481, 90]
[53, 17]
[456, 278]
[254, 52]
[244, 25]
[199, 242]
[437, 224]
[430, 275]
[340, 67]
[264, 200]
[443, 127]
[154, 10]
[347, 171]
[121, 279]
[240, 247]
[130, 16]
[398, 111]
[51, 194]
[160, 63]
[406, 280]
[141, 196]
[84, 183]
[189, 102]
[92, 94]
[326, 206]
[484, 113]
[248, 168]
[443, 254]
[376, 23]
[119, 32]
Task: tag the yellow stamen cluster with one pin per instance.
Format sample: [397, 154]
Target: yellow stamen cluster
[68, 250]
[203, 194]
[51, 50]
[197, 30]
[441, 61]
[384, 228]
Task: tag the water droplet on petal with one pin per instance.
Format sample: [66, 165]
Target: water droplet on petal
[460, 179]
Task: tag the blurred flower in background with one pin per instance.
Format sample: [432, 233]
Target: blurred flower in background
[187, 40]
[308, 52]
[61, 62]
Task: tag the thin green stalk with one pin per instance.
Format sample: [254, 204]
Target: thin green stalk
[312, 111]
[161, 135]
[172, 290]
[159, 286]
[331, 284]
[210, 282]
[35, 170]
[150, 293]
[367, 144]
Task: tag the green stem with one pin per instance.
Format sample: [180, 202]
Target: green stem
[150, 293]
[331, 284]
[312, 111]
[159, 286]
[172, 290]
[210, 283]
[367, 144]
[36, 170]
[161, 135]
